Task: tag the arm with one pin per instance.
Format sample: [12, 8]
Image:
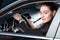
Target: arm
[31, 24]
[20, 19]
[35, 25]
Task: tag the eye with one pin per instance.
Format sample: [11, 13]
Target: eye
[46, 13]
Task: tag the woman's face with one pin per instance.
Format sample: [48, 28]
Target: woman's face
[46, 14]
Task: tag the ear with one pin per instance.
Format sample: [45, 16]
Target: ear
[54, 12]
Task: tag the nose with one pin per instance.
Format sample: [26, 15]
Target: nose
[42, 16]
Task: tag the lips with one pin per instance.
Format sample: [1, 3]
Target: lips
[43, 19]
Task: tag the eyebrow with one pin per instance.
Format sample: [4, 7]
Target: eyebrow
[44, 11]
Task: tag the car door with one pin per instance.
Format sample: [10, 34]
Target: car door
[57, 35]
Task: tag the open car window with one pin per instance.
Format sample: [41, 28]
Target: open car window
[10, 26]
[27, 12]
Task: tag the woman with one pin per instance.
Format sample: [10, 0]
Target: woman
[47, 12]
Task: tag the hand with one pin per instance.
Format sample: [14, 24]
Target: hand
[31, 24]
[29, 21]
[17, 17]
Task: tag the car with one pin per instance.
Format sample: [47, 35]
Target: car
[28, 10]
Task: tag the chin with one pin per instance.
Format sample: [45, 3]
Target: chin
[44, 22]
